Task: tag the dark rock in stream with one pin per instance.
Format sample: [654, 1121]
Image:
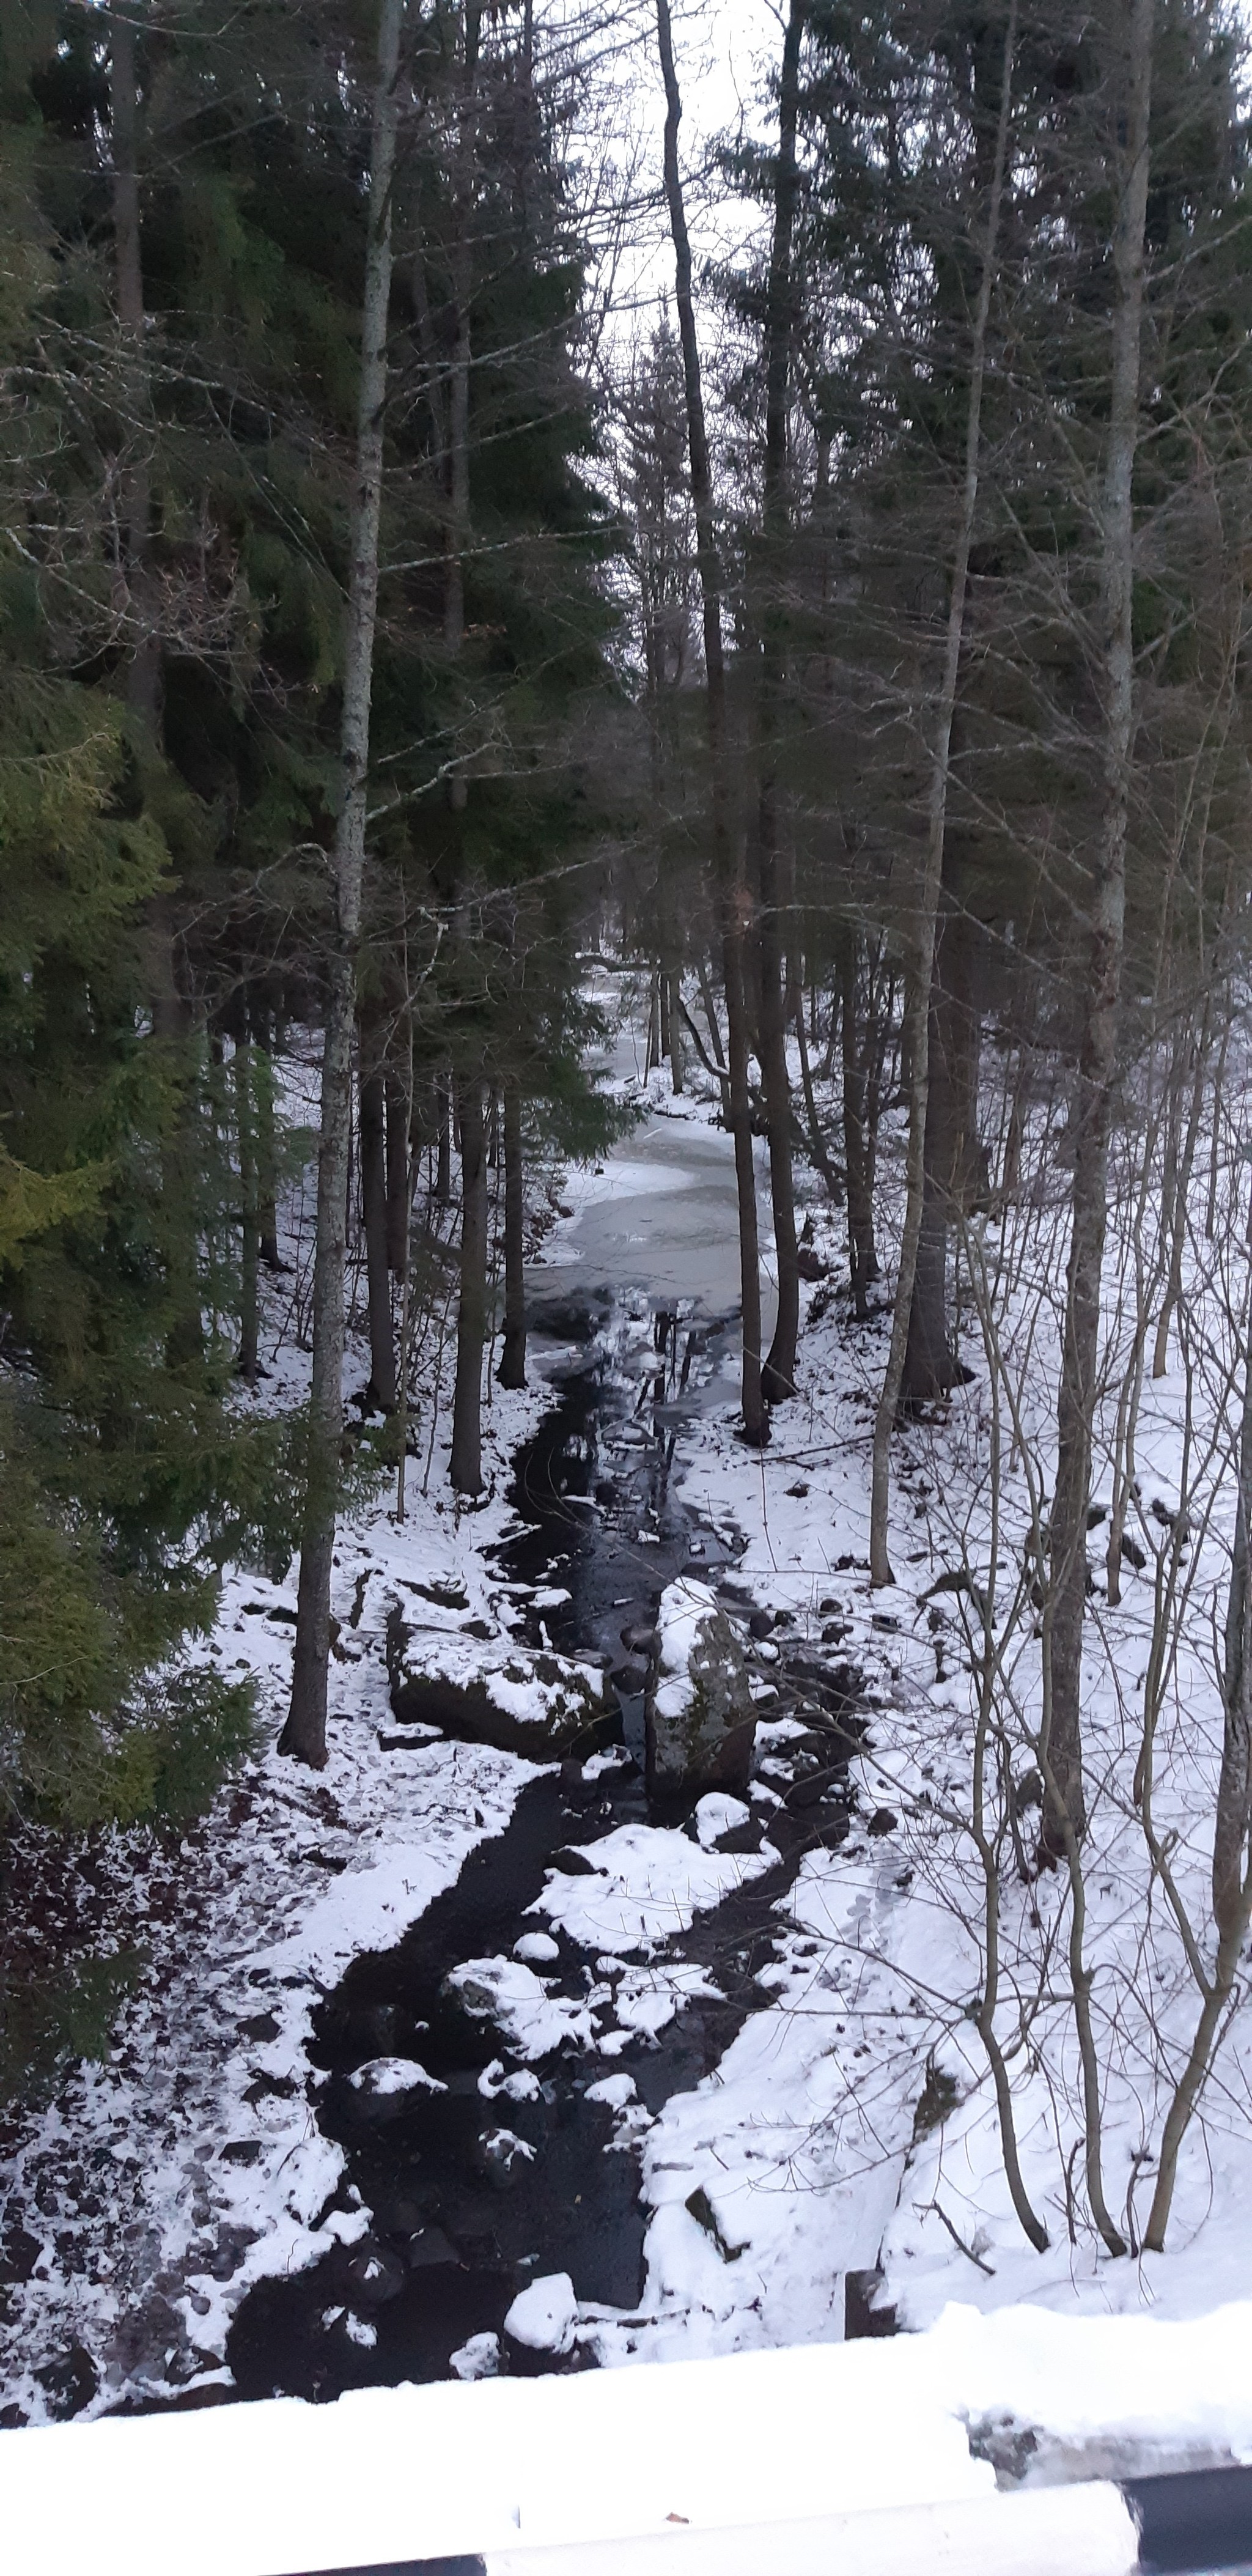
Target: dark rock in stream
[528, 1702]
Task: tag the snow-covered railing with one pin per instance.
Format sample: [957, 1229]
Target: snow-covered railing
[1180, 2525]
[858, 2459]
[1066, 2531]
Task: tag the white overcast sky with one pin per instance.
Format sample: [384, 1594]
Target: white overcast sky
[722, 55]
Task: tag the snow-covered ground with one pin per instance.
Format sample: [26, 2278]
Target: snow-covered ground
[851, 2125]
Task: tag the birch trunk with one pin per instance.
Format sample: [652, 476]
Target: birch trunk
[916, 1035]
[1098, 1048]
[304, 1734]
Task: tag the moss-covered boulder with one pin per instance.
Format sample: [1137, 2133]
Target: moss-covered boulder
[700, 1719]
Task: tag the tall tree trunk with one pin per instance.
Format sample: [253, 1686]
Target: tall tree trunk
[382, 1385]
[778, 1376]
[461, 275]
[675, 990]
[727, 865]
[443, 1143]
[143, 672]
[950, 1181]
[512, 1369]
[250, 1247]
[466, 1464]
[857, 1038]
[304, 1734]
[916, 1034]
[396, 1101]
[171, 1015]
[261, 1061]
[1066, 1805]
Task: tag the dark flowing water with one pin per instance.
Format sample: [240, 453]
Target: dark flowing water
[457, 2228]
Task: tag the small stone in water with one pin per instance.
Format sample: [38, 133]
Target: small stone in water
[536, 1947]
[477, 2359]
[544, 2316]
[718, 1814]
[381, 2076]
[614, 2090]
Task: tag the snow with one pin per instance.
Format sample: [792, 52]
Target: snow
[790, 2434]
[479, 2358]
[718, 1814]
[543, 2316]
[615, 2090]
[509, 1993]
[384, 2076]
[850, 2124]
[646, 1883]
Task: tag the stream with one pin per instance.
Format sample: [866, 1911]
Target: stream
[511, 2172]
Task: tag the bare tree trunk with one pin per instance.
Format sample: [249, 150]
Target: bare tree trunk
[382, 1385]
[261, 1066]
[305, 1731]
[397, 1158]
[917, 1012]
[1179, 1200]
[143, 673]
[1098, 1050]
[674, 983]
[728, 873]
[459, 376]
[817, 1142]
[950, 1179]
[779, 1373]
[250, 1250]
[862, 1255]
[443, 1143]
[512, 1369]
[466, 1464]
[1232, 1836]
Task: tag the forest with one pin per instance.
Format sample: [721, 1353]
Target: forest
[625, 1216]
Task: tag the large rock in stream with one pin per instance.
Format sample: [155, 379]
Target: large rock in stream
[699, 1714]
[522, 1699]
